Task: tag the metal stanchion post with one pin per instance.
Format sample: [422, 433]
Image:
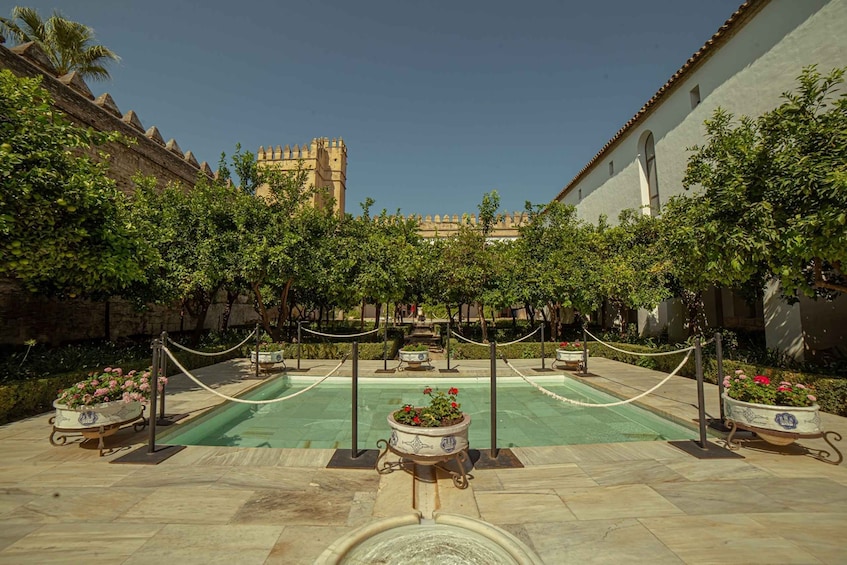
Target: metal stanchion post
[299, 339]
[258, 341]
[385, 343]
[448, 343]
[354, 451]
[163, 361]
[701, 396]
[719, 358]
[542, 346]
[493, 353]
[584, 351]
[154, 384]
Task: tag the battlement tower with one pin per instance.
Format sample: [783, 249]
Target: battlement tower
[325, 162]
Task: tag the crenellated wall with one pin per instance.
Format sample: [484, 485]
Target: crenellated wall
[506, 225]
[325, 162]
[150, 153]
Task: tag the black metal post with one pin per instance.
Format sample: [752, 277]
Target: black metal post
[354, 451]
[154, 384]
[258, 341]
[163, 361]
[299, 339]
[542, 345]
[493, 352]
[584, 351]
[719, 358]
[385, 344]
[701, 396]
[448, 341]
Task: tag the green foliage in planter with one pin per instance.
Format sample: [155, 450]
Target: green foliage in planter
[23, 398]
[415, 347]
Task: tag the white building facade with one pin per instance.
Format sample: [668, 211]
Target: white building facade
[744, 68]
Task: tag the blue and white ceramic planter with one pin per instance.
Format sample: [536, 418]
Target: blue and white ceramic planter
[569, 357]
[429, 442]
[802, 420]
[414, 357]
[267, 357]
[107, 414]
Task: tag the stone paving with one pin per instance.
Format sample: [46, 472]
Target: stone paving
[608, 503]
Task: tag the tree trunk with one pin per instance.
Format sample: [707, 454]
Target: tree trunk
[377, 315]
[231, 297]
[482, 325]
[263, 312]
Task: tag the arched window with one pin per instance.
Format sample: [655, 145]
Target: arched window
[649, 163]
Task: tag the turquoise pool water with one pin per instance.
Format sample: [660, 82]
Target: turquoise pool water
[321, 417]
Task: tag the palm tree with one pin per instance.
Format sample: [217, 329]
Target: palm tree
[66, 43]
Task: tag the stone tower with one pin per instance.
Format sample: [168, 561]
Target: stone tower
[325, 162]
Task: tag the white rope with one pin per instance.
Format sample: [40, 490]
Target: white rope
[610, 346]
[521, 339]
[241, 400]
[468, 340]
[207, 354]
[339, 335]
[594, 405]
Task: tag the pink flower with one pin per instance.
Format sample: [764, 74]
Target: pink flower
[107, 370]
[783, 388]
[811, 397]
[801, 386]
[739, 372]
[95, 382]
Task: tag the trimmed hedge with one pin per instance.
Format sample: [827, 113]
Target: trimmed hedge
[21, 399]
[830, 391]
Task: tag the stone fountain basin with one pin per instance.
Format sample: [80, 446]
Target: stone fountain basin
[446, 540]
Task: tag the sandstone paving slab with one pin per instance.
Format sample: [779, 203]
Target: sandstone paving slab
[395, 495]
[70, 505]
[13, 498]
[716, 497]
[821, 534]
[622, 540]
[485, 479]
[301, 545]
[79, 474]
[789, 466]
[804, 494]
[544, 478]
[619, 501]
[608, 474]
[725, 538]
[521, 507]
[361, 509]
[694, 469]
[187, 505]
[75, 543]
[195, 544]
[158, 476]
[10, 533]
[279, 507]
[11, 474]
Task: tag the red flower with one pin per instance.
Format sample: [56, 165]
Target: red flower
[784, 388]
[416, 420]
[454, 405]
[453, 391]
[563, 344]
[762, 380]
[427, 390]
[407, 408]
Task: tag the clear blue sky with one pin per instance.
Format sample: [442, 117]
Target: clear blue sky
[439, 102]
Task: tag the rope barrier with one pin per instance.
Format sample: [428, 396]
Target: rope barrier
[591, 404]
[340, 335]
[241, 400]
[610, 346]
[527, 336]
[468, 340]
[207, 354]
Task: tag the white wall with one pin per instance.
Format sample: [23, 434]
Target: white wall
[746, 75]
